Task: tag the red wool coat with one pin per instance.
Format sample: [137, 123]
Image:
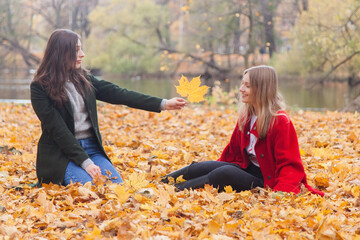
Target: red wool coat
[278, 155]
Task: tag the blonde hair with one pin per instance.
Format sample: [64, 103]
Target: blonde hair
[268, 101]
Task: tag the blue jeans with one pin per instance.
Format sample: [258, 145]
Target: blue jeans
[75, 173]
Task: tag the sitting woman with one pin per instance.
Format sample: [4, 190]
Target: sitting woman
[63, 95]
[263, 149]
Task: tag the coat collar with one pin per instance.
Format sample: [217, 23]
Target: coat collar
[68, 107]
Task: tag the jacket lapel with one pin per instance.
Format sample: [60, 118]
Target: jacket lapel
[68, 107]
[254, 130]
[88, 100]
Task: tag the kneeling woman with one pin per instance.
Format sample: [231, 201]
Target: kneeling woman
[63, 96]
[263, 149]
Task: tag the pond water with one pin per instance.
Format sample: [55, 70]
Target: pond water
[332, 96]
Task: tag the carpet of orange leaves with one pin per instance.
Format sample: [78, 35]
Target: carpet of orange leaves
[144, 146]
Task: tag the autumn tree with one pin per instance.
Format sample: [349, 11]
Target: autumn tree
[127, 36]
[326, 41]
[326, 44]
[223, 34]
[70, 14]
[16, 34]
[220, 36]
[25, 26]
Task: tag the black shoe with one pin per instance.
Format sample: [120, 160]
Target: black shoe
[195, 183]
[181, 172]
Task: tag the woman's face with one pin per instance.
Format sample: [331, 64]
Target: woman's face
[246, 92]
[79, 54]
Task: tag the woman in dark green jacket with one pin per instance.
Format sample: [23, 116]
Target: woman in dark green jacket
[63, 96]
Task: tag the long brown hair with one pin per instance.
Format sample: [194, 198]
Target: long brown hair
[268, 101]
[59, 65]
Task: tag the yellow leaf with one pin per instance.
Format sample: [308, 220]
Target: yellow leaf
[137, 181]
[185, 8]
[121, 194]
[302, 152]
[231, 227]
[159, 154]
[272, 231]
[324, 153]
[173, 209]
[228, 189]
[179, 221]
[355, 191]
[213, 227]
[322, 179]
[95, 233]
[180, 179]
[245, 194]
[192, 89]
[182, 89]
[352, 137]
[140, 198]
[196, 208]
[145, 207]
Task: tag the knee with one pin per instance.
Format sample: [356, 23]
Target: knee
[223, 174]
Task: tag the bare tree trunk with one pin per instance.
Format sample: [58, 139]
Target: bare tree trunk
[237, 35]
[81, 12]
[246, 60]
[305, 5]
[267, 8]
[353, 106]
[251, 46]
[58, 9]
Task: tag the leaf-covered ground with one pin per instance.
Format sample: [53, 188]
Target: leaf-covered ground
[144, 146]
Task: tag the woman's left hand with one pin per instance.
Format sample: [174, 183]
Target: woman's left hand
[175, 103]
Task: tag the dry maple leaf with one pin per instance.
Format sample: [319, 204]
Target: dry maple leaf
[120, 192]
[136, 181]
[192, 89]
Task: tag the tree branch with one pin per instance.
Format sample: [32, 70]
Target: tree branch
[210, 64]
[321, 80]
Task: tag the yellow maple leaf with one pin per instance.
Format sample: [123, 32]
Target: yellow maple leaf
[228, 189]
[322, 179]
[213, 227]
[185, 8]
[192, 89]
[355, 191]
[94, 234]
[121, 193]
[180, 179]
[137, 181]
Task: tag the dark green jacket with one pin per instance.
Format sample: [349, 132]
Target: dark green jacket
[58, 145]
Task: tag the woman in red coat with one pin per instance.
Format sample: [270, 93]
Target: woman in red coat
[263, 150]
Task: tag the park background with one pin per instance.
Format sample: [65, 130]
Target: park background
[146, 45]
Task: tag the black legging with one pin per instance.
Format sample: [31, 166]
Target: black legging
[218, 174]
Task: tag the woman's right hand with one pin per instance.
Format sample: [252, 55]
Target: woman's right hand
[93, 170]
[175, 103]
